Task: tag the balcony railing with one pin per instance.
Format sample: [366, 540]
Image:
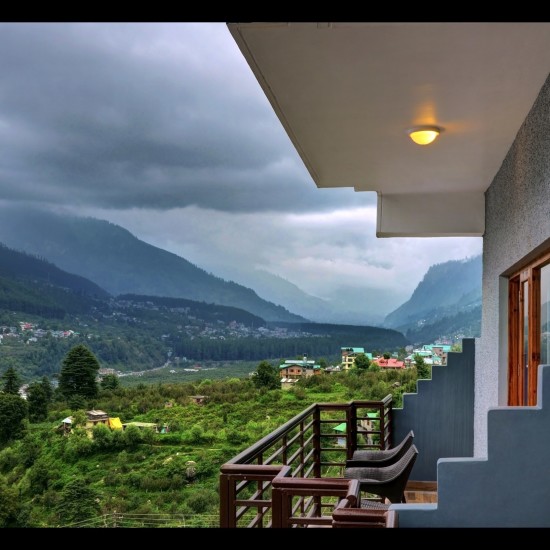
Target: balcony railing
[275, 482]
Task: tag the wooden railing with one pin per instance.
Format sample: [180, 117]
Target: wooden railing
[346, 516]
[299, 502]
[309, 448]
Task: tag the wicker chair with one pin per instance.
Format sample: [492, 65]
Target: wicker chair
[381, 458]
[386, 481]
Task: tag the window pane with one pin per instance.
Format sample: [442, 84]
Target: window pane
[545, 315]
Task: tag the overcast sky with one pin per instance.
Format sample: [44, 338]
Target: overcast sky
[163, 129]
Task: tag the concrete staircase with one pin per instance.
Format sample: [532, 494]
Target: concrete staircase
[509, 488]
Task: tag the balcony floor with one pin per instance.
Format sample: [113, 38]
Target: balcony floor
[421, 492]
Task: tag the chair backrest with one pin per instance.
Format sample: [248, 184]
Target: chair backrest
[384, 457]
[398, 451]
[386, 481]
[384, 474]
[403, 467]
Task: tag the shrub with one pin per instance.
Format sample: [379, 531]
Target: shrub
[8, 505]
[236, 437]
[195, 436]
[102, 437]
[132, 437]
[152, 484]
[202, 501]
[299, 393]
[78, 502]
[78, 444]
[112, 478]
[39, 477]
[171, 439]
[9, 459]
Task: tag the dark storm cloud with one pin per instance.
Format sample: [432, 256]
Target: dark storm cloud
[143, 115]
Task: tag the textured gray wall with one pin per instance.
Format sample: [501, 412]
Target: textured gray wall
[441, 414]
[517, 222]
[510, 488]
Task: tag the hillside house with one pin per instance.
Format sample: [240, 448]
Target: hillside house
[439, 350]
[93, 418]
[391, 363]
[430, 358]
[366, 428]
[349, 355]
[293, 369]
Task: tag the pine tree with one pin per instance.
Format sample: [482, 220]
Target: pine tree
[12, 382]
[79, 372]
[39, 395]
[422, 369]
[13, 411]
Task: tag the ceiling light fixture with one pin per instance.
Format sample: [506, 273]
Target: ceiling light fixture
[424, 135]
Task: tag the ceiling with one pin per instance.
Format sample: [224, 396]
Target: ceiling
[346, 93]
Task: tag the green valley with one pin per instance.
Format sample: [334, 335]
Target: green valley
[48, 479]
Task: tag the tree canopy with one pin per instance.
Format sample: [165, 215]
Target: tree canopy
[110, 382]
[12, 382]
[362, 362]
[266, 376]
[13, 411]
[78, 502]
[79, 372]
[39, 395]
[422, 369]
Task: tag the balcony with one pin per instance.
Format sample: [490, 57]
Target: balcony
[293, 477]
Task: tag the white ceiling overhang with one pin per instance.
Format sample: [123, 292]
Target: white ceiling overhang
[347, 92]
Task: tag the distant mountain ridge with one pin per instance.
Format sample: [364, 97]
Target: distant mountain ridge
[341, 308]
[280, 291]
[119, 262]
[447, 299]
[33, 285]
[20, 265]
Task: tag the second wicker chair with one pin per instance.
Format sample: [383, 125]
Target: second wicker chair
[381, 458]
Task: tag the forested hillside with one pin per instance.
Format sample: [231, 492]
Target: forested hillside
[120, 263]
[446, 304]
[48, 479]
[19, 265]
[446, 287]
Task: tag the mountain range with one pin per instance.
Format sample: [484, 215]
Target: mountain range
[98, 258]
[120, 263]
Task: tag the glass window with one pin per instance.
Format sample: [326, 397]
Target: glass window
[545, 315]
[528, 329]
